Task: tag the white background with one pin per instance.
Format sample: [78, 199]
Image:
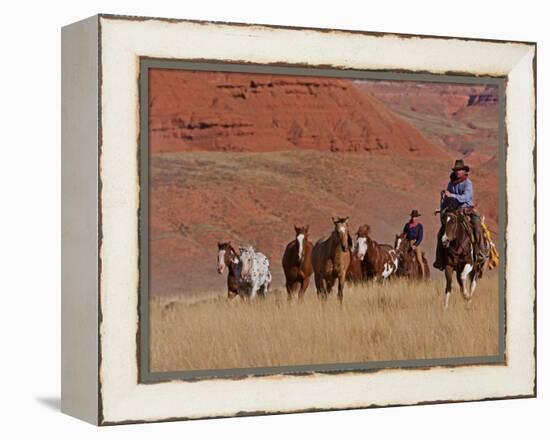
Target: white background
[30, 217]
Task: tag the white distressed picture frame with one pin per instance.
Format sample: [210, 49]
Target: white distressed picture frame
[101, 193]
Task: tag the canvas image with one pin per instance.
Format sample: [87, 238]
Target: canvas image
[298, 222]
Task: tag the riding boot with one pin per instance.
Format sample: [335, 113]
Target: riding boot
[481, 252]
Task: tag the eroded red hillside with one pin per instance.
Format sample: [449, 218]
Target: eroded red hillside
[216, 111]
[462, 119]
[242, 158]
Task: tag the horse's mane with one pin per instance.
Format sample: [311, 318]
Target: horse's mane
[363, 231]
[232, 249]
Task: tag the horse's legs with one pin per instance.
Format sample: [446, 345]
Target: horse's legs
[303, 287]
[264, 289]
[317, 279]
[231, 294]
[329, 283]
[448, 285]
[322, 290]
[464, 278]
[473, 283]
[460, 282]
[254, 291]
[341, 281]
[290, 288]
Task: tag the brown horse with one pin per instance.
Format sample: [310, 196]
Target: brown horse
[297, 264]
[458, 255]
[408, 263]
[331, 258]
[380, 260]
[228, 257]
[357, 270]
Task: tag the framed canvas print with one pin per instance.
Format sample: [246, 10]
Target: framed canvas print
[262, 219]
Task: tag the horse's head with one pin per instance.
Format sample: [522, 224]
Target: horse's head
[400, 244]
[301, 237]
[450, 227]
[342, 230]
[361, 245]
[226, 255]
[245, 258]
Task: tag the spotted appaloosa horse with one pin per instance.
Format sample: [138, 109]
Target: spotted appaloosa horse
[357, 271]
[255, 271]
[380, 260]
[228, 257]
[408, 263]
[458, 255]
[331, 259]
[297, 264]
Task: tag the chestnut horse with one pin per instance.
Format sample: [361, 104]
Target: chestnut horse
[458, 255]
[380, 260]
[228, 257]
[297, 264]
[408, 263]
[331, 259]
[357, 270]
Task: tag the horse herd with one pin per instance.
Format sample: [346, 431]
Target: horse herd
[335, 260]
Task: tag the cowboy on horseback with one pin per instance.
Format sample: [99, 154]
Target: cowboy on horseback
[414, 232]
[459, 196]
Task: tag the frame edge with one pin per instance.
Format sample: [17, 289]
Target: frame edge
[79, 183]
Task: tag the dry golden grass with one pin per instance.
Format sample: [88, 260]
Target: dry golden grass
[397, 321]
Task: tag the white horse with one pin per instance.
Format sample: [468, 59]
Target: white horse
[255, 271]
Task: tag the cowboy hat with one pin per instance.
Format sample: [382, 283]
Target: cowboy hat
[415, 213]
[459, 165]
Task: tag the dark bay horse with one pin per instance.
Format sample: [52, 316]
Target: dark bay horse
[228, 257]
[408, 263]
[458, 255]
[380, 260]
[331, 259]
[297, 264]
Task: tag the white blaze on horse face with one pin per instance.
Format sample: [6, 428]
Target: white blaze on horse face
[398, 245]
[300, 239]
[362, 247]
[343, 232]
[221, 261]
[342, 229]
[245, 263]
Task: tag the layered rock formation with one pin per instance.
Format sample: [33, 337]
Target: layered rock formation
[215, 111]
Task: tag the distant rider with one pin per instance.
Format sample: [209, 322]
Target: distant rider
[414, 232]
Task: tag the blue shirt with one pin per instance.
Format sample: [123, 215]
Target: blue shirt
[414, 232]
[462, 195]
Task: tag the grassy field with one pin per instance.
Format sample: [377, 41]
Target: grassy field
[398, 321]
